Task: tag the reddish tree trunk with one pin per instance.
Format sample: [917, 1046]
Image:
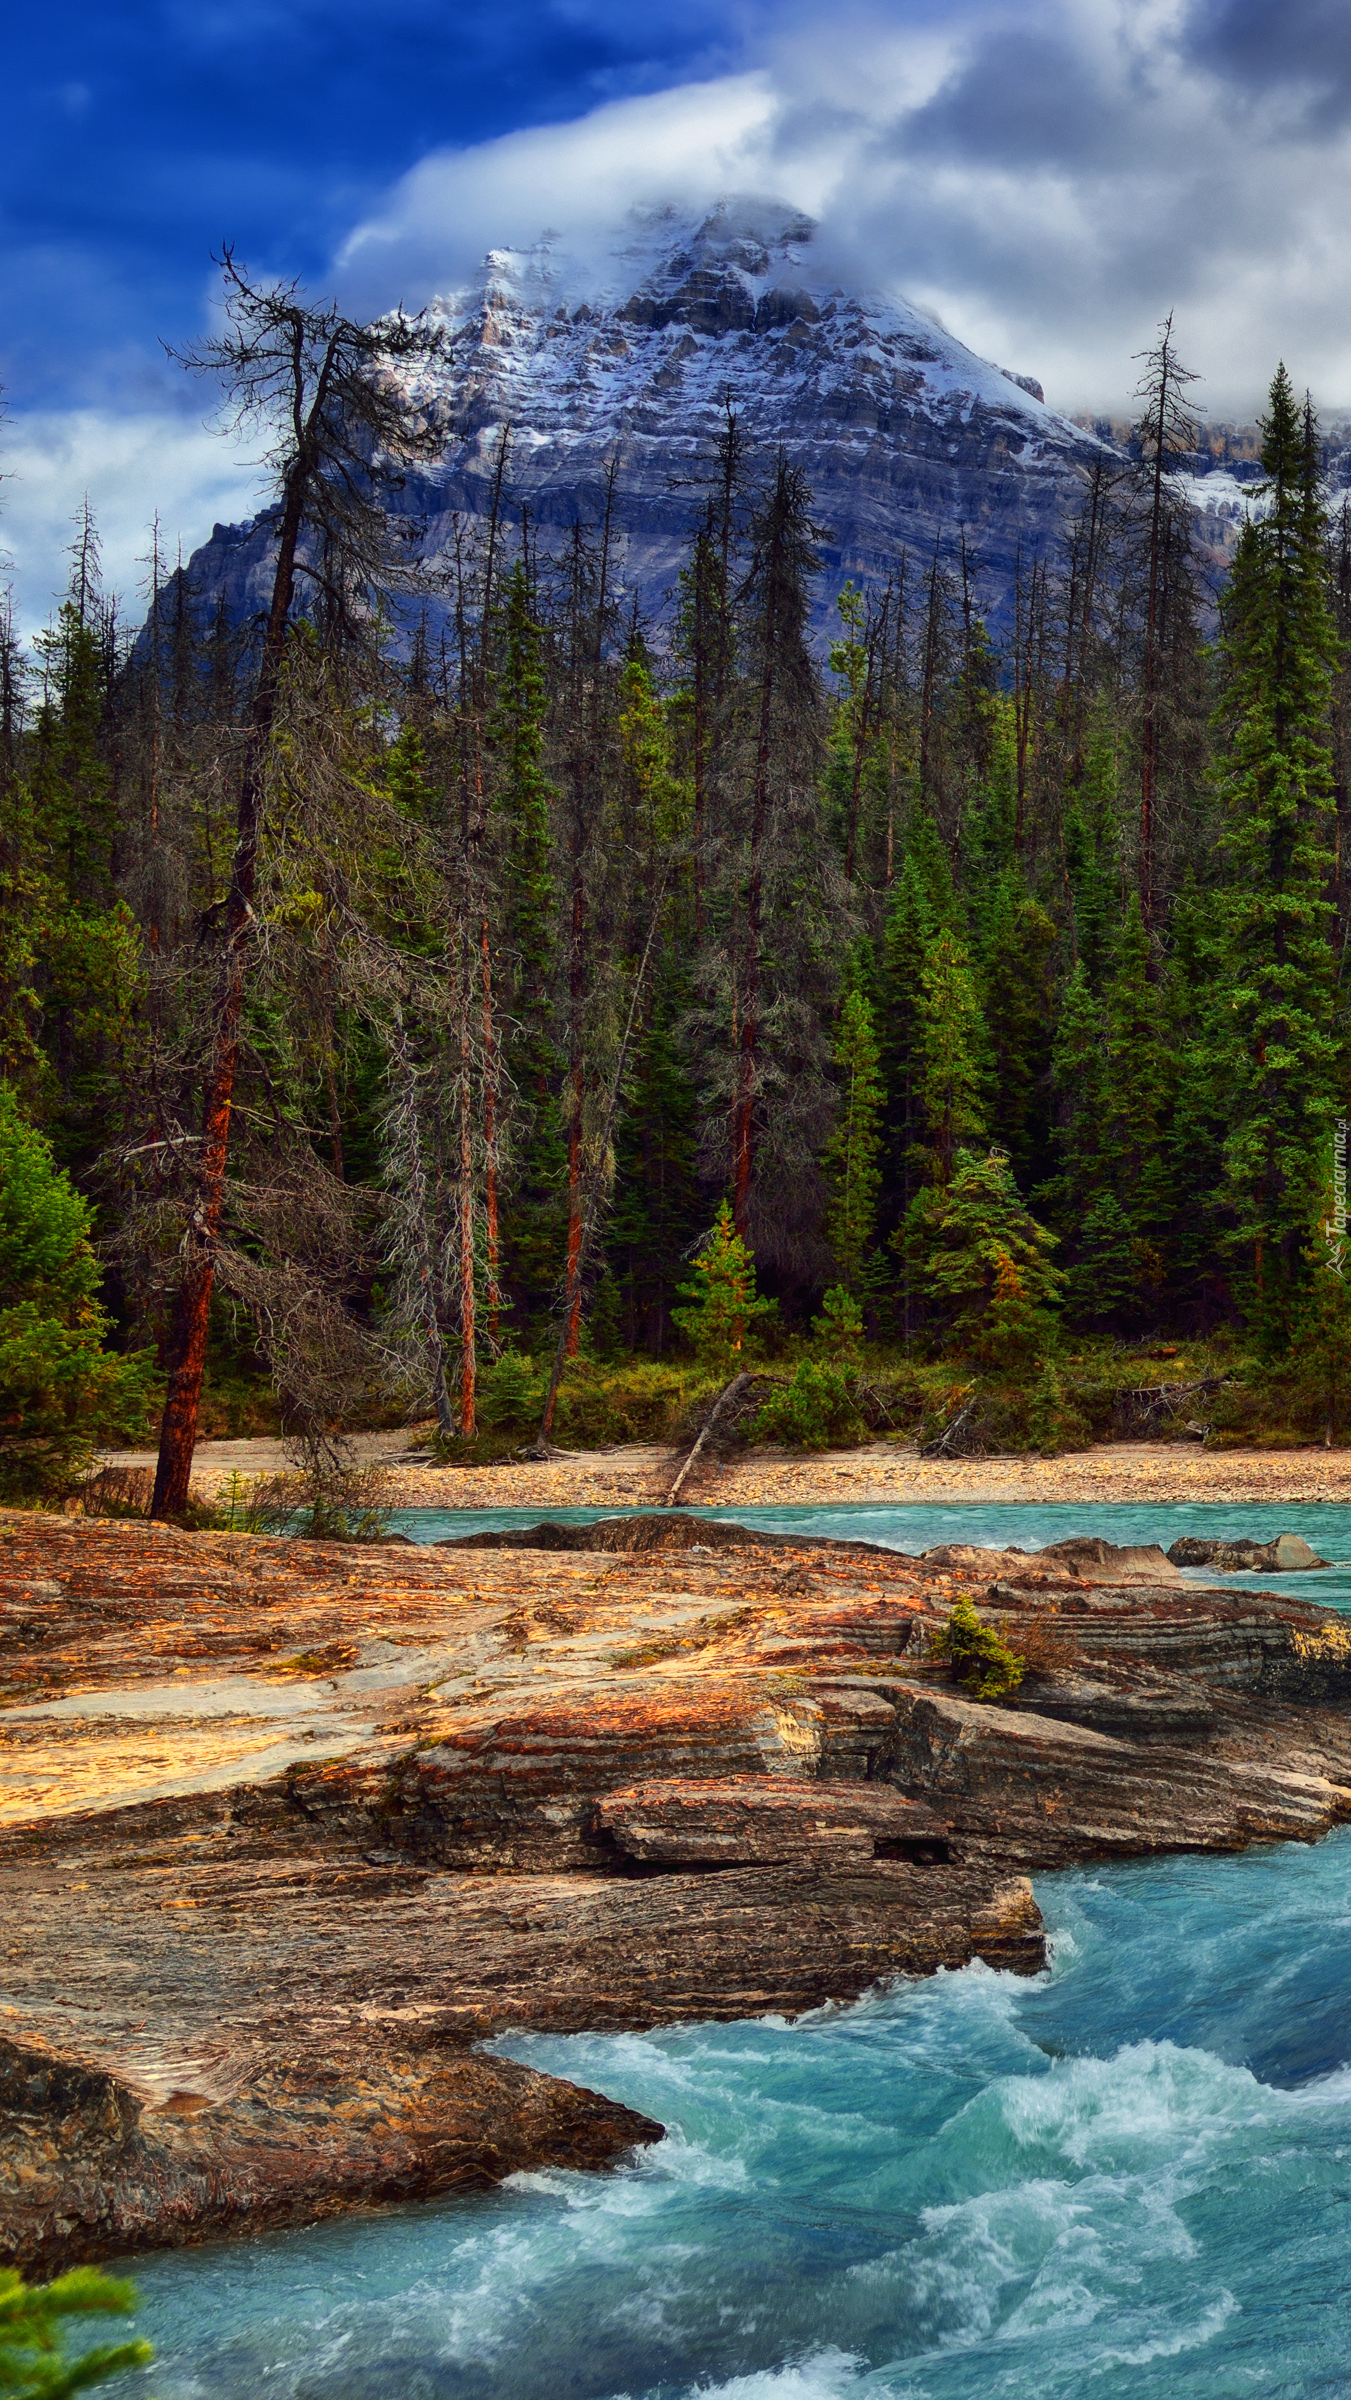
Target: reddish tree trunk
[192, 1308]
[577, 1084]
[468, 1295]
[743, 1123]
[492, 1244]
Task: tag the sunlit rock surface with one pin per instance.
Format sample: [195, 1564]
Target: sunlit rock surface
[287, 1827]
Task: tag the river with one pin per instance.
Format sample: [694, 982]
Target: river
[1128, 2176]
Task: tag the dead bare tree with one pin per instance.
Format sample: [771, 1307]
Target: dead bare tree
[340, 423]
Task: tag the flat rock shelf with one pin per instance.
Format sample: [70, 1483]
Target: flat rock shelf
[289, 1830]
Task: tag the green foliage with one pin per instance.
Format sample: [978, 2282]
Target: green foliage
[1077, 1081]
[893, 931]
[853, 1152]
[839, 1328]
[323, 1501]
[978, 1658]
[1018, 1002]
[32, 2334]
[922, 905]
[511, 1393]
[656, 1206]
[722, 1307]
[60, 1390]
[982, 1261]
[1102, 1288]
[1092, 843]
[947, 1060]
[1276, 1053]
[810, 1412]
[1053, 1424]
[1137, 1084]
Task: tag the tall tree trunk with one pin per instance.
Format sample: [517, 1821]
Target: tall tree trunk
[201, 1240]
[576, 1105]
[492, 1238]
[591, 1205]
[743, 1123]
[468, 1290]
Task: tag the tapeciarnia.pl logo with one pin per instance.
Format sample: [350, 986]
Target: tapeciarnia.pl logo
[1334, 1226]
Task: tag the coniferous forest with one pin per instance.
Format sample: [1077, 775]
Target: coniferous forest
[450, 996]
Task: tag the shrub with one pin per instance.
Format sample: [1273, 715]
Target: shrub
[31, 2337]
[1053, 1424]
[60, 1390]
[117, 1492]
[810, 1412]
[978, 1658]
[323, 1501]
[511, 1394]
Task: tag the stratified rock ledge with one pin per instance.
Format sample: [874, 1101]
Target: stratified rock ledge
[287, 1829]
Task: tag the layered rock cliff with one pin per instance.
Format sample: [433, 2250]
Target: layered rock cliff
[910, 442]
[286, 1828]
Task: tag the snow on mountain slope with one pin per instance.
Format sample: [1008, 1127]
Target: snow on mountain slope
[909, 440]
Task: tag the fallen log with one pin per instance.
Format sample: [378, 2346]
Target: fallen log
[721, 1405]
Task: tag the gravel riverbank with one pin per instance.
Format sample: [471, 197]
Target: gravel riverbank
[636, 1476]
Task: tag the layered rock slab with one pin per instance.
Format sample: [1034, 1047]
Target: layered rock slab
[290, 1827]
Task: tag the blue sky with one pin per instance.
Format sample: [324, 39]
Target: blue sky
[1050, 175]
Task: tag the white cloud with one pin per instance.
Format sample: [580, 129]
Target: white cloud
[129, 466]
[1050, 179]
[682, 144]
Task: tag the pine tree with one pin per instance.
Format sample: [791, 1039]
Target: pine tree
[982, 1261]
[853, 1153]
[783, 697]
[656, 1194]
[948, 1051]
[60, 1390]
[923, 904]
[1091, 851]
[1136, 1094]
[1103, 1287]
[1166, 429]
[1078, 1075]
[1017, 996]
[1274, 1023]
[33, 2364]
[524, 801]
[722, 1306]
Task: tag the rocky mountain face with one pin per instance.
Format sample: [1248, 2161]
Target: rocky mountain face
[910, 442]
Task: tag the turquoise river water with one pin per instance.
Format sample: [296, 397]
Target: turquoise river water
[1128, 2176]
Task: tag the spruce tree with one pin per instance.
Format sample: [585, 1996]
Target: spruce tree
[60, 1390]
[948, 1052]
[981, 1262]
[722, 1306]
[1136, 1095]
[1274, 1031]
[922, 905]
[1092, 839]
[853, 1153]
[1017, 996]
[1078, 1075]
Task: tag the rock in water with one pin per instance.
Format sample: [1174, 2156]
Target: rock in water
[1289, 1554]
[906, 437]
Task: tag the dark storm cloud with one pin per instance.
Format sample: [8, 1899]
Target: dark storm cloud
[1300, 46]
[1019, 99]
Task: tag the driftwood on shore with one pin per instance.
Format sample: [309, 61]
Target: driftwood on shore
[727, 1417]
[1153, 1407]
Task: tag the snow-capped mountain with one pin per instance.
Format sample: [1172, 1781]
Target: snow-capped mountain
[907, 438]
